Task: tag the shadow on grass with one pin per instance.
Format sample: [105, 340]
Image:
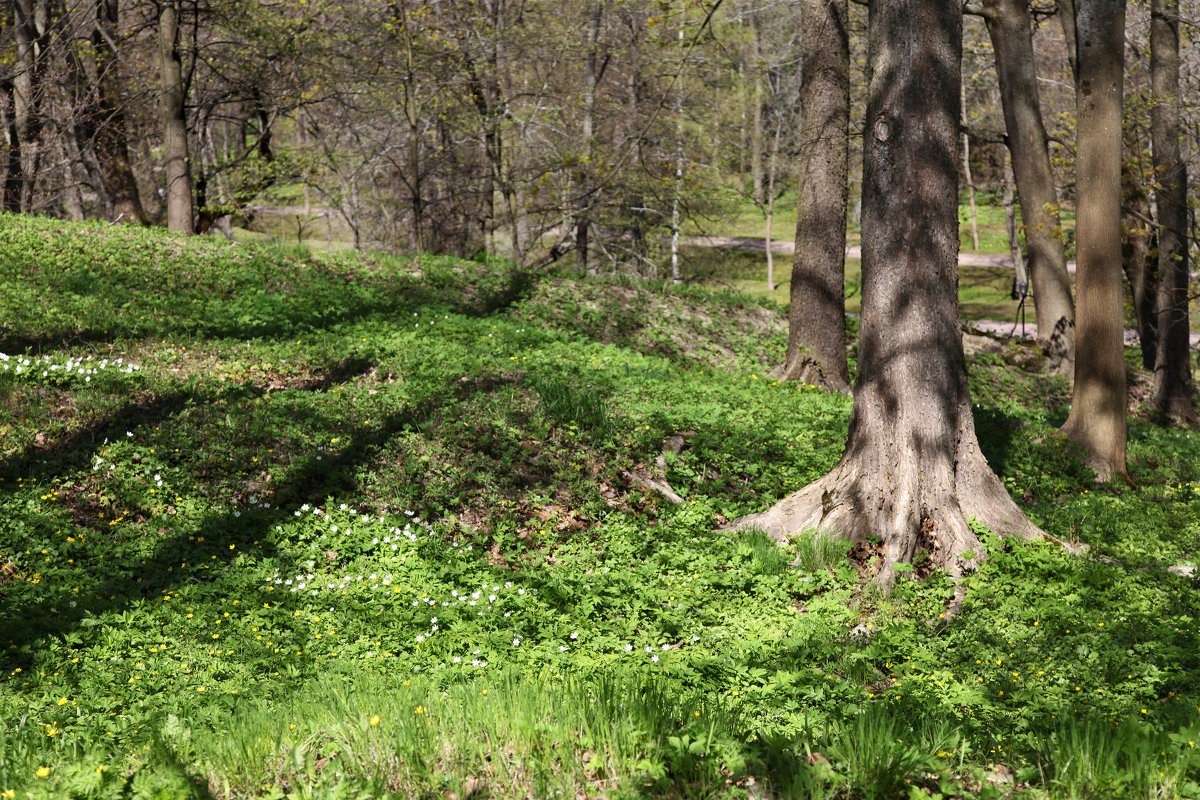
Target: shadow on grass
[59, 609]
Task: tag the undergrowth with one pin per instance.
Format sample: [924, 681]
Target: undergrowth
[282, 525]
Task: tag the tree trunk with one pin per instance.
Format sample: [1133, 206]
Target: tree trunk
[31, 35]
[756, 124]
[772, 170]
[1173, 388]
[912, 471]
[1099, 405]
[109, 139]
[10, 197]
[589, 109]
[966, 164]
[1010, 29]
[1067, 11]
[174, 122]
[1135, 262]
[1008, 198]
[816, 351]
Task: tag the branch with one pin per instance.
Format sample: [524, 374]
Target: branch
[974, 9]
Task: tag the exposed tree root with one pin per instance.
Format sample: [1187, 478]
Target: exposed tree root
[806, 369]
[912, 508]
[657, 481]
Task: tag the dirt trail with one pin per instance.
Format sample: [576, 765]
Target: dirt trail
[1030, 329]
[853, 251]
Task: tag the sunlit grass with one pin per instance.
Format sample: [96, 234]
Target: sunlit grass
[335, 526]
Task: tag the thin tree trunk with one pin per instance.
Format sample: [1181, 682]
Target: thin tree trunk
[591, 78]
[912, 470]
[1135, 262]
[1010, 214]
[816, 351]
[1173, 388]
[756, 125]
[412, 115]
[677, 199]
[180, 215]
[772, 169]
[1099, 405]
[1010, 29]
[12, 166]
[966, 162]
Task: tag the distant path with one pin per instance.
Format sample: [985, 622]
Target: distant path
[785, 246]
[751, 243]
[1007, 329]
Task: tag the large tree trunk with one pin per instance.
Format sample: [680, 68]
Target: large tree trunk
[1099, 404]
[109, 139]
[816, 351]
[912, 471]
[1173, 390]
[1009, 27]
[180, 216]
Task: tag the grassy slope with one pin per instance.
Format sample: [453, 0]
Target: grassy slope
[370, 524]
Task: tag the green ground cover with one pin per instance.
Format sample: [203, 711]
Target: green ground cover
[277, 524]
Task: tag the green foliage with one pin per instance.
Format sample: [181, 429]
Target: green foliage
[301, 492]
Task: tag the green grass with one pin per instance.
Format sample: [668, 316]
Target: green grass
[284, 524]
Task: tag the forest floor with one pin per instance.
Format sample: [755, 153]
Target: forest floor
[285, 524]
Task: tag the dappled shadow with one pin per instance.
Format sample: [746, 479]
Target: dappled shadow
[215, 542]
[997, 433]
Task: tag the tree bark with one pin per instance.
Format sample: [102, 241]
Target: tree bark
[109, 138]
[591, 77]
[912, 471]
[1173, 387]
[1135, 262]
[31, 27]
[180, 215]
[772, 170]
[1009, 27]
[756, 124]
[966, 164]
[1066, 17]
[1008, 199]
[1099, 405]
[816, 351]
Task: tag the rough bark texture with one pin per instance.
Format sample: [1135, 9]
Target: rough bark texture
[111, 141]
[912, 471]
[1009, 27]
[180, 216]
[1173, 388]
[816, 350]
[1098, 406]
